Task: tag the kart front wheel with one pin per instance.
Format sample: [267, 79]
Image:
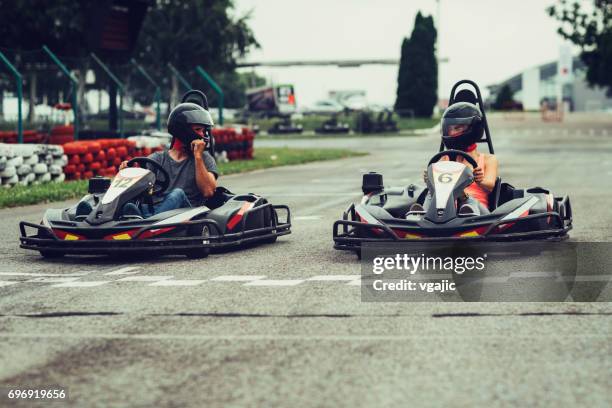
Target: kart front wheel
[199, 253]
[51, 254]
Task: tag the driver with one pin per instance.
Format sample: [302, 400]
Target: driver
[462, 126]
[192, 170]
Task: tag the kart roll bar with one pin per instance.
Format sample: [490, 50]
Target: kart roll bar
[451, 100]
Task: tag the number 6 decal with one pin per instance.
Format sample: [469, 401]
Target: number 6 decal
[445, 178]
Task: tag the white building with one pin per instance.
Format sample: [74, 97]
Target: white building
[535, 85]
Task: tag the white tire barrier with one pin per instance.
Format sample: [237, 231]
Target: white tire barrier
[31, 164]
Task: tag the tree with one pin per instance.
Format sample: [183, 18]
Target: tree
[186, 33]
[591, 29]
[417, 81]
[190, 33]
[505, 98]
[30, 24]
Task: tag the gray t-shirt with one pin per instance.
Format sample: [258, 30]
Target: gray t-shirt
[182, 174]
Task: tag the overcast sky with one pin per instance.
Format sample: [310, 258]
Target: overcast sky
[484, 40]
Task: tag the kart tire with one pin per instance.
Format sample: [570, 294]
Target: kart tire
[51, 255]
[199, 253]
[271, 240]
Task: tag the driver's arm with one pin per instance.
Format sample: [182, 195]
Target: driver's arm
[204, 179]
[488, 181]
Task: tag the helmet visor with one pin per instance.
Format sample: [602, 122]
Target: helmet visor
[456, 127]
[198, 117]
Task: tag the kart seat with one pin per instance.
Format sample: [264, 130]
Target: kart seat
[494, 195]
[465, 95]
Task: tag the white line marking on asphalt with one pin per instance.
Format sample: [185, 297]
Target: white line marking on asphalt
[238, 278]
[7, 283]
[356, 282]
[296, 337]
[151, 278]
[306, 217]
[128, 270]
[46, 279]
[44, 274]
[273, 282]
[335, 278]
[172, 282]
[81, 284]
[312, 194]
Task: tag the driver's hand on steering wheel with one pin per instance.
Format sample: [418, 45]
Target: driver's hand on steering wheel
[478, 175]
[123, 165]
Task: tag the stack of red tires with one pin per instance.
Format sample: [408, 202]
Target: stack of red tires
[236, 142]
[100, 157]
[29, 136]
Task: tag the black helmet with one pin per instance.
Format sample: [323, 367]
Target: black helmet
[462, 125]
[183, 117]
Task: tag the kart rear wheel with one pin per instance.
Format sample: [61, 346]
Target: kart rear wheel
[51, 254]
[271, 240]
[199, 253]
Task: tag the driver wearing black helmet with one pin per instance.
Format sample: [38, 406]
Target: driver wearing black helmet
[192, 170]
[462, 127]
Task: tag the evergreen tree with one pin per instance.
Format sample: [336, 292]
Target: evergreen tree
[417, 82]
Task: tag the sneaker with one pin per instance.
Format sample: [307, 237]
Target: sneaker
[416, 209]
[130, 210]
[466, 210]
[83, 209]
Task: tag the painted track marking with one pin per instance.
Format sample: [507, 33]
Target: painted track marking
[273, 282]
[47, 279]
[145, 278]
[334, 278]
[128, 270]
[55, 275]
[173, 282]
[238, 278]
[81, 284]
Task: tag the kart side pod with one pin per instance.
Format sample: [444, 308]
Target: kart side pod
[372, 182]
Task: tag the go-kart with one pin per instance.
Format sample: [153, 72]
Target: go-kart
[390, 214]
[332, 126]
[227, 220]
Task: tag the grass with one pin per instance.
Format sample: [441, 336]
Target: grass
[264, 158]
[311, 122]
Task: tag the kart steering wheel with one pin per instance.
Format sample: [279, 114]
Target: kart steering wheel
[160, 186]
[452, 155]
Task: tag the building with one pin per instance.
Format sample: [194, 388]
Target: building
[536, 85]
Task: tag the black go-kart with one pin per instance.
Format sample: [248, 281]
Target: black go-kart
[227, 220]
[390, 214]
[332, 126]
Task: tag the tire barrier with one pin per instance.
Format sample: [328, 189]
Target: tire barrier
[61, 134]
[102, 157]
[234, 143]
[30, 164]
[27, 164]
[29, 136]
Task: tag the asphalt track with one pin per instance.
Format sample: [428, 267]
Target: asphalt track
[284, 325]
